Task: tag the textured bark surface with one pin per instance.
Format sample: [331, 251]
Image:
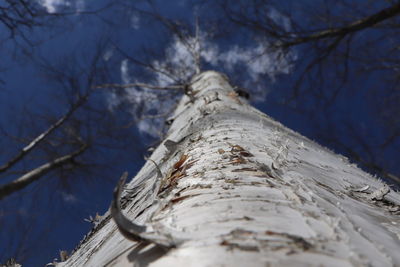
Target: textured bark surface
[240, 189]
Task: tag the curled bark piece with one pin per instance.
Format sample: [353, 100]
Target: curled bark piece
[129, 229]
[380, 193]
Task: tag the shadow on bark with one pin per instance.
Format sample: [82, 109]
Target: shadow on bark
[144, 254]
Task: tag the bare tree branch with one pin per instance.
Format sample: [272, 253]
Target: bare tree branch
[43, 135]
[155, 87]
[352, 27]
[35, 174]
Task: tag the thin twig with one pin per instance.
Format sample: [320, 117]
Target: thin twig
[149, 86]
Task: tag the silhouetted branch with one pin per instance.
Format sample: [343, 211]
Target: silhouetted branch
[37, 173]
[149, 86]
[34, 143]
[358, 25]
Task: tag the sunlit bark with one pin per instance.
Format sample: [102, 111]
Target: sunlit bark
[240, 189]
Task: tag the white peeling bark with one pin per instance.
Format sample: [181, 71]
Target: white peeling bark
[250, 193]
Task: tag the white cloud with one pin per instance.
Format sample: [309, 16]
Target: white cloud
[258, 60]
[254, 63]
[80, 5]
[108, 54]
[139, 96]
[124, 71]
[279, 19]
[52, 6]
[67, 197]
[150, 127]
[135, 21]
[142, 102]
[209, 52]
[113, 101]
[180, 62]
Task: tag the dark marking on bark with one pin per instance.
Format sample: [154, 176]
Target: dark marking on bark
[178, 199]
[245, 170]
[246, 154]
[232, 245]
[297, 240]
[180, 162]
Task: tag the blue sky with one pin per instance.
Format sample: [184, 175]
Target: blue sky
[77, 51]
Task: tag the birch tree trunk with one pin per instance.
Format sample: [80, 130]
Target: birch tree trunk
[240, 189]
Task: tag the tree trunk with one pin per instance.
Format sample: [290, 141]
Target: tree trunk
[240, 189]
